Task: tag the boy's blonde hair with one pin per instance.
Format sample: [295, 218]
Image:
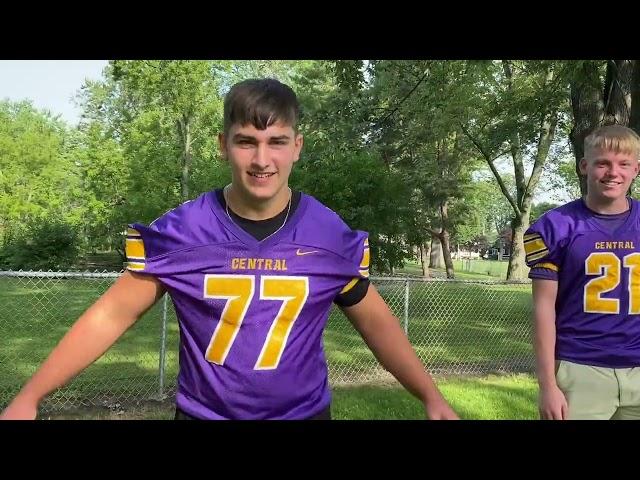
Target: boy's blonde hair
[614, 138]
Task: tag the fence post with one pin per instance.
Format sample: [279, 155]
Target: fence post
[163, 347]
[406, 307]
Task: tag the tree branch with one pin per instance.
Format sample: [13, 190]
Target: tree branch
[490, 161]
[378, 124]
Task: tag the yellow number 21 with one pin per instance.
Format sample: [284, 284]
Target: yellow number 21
[238, 291]
[608, 280]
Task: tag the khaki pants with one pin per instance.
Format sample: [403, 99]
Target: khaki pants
[598, 393]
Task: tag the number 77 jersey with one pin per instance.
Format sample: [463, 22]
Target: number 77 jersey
[251, 313]
[598, 300]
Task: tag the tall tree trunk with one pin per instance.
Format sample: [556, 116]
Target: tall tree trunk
[595, 103]
[521, 204]
[444, 239]
[516, 269]
[548, 123]
[440, 243]
[184, 128]
[587, 105]
[634, 118]
[436, 259]
[517, 265]
[424, 259]
[617, 92]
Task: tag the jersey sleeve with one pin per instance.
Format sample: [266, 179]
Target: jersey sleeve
[356, 251]
[143, 245]
[543, 249]
[134, 249]
[354, 295]
[146, 248]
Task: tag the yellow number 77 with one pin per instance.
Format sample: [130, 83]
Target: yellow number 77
[238, 290]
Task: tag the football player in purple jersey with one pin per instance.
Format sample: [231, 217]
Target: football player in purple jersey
[253, 270]
[585, 266]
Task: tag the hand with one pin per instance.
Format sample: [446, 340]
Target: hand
[552, 404]
[20, 409]
[440, 410]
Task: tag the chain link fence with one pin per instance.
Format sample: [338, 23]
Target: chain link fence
[456, 327]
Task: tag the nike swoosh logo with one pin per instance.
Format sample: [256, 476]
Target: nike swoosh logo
[299, 252]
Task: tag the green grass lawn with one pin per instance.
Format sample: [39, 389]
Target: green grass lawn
[456, 328]
[489, 398]
[510, 397]
[463, 269]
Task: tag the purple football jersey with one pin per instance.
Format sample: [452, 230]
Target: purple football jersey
[251, 313]
[598, 302]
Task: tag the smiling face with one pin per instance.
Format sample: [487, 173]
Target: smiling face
[610, 164]
[261, 160]
[261, 143]
[609, 176]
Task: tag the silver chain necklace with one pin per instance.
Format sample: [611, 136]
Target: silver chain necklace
[226, 200]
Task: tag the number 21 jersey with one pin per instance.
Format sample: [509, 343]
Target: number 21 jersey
[598, 300]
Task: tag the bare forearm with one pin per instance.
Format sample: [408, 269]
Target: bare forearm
[94, 332]
[545, 332]
[381, 331]
[545, 341]
[393, 350]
